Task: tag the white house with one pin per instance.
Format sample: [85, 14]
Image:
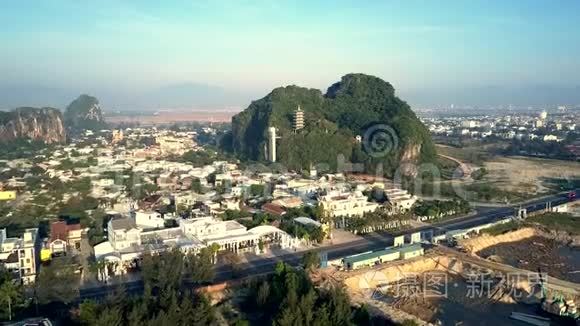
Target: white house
[400, 199]
[347, 204]
[19, 255]
[149, 220]
[127, 242]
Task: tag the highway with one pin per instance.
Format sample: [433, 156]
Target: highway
[370, 242]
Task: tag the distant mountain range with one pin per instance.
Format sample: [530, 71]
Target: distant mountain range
[202, 96]
[47, 124]
[177, 96]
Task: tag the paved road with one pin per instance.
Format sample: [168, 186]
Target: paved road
[370, 242]
[466, 169]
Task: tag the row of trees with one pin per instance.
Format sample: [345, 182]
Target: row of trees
[538, 147]
[441, 208]
[376, 221]
[301, 231]
[287, 223]
[289, 297]
[164, 300]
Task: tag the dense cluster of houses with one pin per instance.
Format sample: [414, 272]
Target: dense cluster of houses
[198, 195]
[523, 126]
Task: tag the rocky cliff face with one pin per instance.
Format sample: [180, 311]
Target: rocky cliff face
[44, 124]
[84, 113]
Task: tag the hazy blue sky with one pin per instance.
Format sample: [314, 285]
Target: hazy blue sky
[115, 46]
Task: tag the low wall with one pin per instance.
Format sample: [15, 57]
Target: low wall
[485, 240]
[373, 278]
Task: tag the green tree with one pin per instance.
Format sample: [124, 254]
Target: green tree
[200, 265]
[233, 261]
[10, 294]
[257, 190]
[310, 260]
[196, 186]
[362, 316]
[261, 245]
[88, 314]
[263, 294]
[163, 272]
[307, 307]
[110, 316]
[203, 311]
[57, 283]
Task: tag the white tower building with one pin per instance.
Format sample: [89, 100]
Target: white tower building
[272, 144]
[298, 119]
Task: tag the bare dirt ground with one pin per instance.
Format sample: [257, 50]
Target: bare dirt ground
[528, 174]
[552, 256]
[514, 174]
[458, 302]
[441, 290]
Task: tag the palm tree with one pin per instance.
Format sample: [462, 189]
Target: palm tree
[9, 293]
[98, 268]
[214, 249]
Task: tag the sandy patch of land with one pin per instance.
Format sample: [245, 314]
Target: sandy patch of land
[528, 174]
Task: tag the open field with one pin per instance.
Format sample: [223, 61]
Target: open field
[173, 117]
[529, 174]
[509, 179]
[472, 155]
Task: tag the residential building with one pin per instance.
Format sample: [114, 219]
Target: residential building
[347, 204]
[470, 124]
[64, 235]
[19, 255]
[401, 200]
[273, 209]
[117, 136]
[148, 220]
[127, 242]
[551, 138]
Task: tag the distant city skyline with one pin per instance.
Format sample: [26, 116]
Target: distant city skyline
[219, 54]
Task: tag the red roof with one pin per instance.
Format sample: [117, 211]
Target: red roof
[60, 230]
[273, 209]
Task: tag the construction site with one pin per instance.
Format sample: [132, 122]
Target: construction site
[523, 270]
[532, 249]
[523, 277]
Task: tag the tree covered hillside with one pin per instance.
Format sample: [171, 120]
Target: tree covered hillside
[84, 113]
[358, 105]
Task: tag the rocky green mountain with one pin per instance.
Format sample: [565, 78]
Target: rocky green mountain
[359, 118]
[38, 124]
[84, 113]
